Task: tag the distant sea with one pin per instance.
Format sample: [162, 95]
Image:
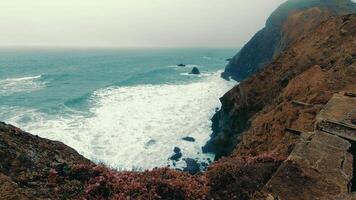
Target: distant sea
[127, 108]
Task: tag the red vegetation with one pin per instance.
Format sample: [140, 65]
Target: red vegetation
[100, 182]
[227, 179]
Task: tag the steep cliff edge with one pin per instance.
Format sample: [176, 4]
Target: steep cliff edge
[289, 22]
[311, 70]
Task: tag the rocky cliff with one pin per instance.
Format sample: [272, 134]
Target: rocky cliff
[311, 70]
[289, 132]
[289, 22]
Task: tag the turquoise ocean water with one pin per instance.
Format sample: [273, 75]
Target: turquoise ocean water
[125, 107]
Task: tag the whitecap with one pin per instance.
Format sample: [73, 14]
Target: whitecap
[195, 75]
[28, 84]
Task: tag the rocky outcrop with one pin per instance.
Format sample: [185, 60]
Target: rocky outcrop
[195, 71]
[177, 154]
[292, 20]
[322, 165]
[263, 106]
[318, 162]
[27, 161]
[188, 139]
[338, 116]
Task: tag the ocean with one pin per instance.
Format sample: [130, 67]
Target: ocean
[127, 108]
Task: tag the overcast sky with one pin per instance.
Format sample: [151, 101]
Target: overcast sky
[132, 23]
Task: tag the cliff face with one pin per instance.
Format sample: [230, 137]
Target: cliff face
[311, 70]
[289, 22]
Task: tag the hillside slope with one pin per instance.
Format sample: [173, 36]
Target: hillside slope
[311, 70]
[290, 21]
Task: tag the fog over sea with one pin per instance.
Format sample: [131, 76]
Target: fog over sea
[127, 108]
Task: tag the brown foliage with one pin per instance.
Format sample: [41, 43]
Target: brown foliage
[239, 178]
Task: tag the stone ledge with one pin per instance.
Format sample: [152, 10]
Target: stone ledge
[338, 116]
[321, 165]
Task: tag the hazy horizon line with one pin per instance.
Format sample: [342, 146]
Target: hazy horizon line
[108, 47]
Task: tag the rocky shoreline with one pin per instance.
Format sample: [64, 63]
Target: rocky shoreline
[287, 132]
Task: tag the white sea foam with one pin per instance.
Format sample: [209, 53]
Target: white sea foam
[195, 75]
[10, 86]
[139, 125]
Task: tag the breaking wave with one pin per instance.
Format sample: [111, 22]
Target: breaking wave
[136, 125]
[28, 84]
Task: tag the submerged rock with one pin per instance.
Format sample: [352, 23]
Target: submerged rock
[150, 143]
[192, 166]
[195, 70]
[189, 139]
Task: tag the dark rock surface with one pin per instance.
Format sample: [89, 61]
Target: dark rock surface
[192, 167]
[189, 139]
[195, 71]
[287, 24]
[177, 154]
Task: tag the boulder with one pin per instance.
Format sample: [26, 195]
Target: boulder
[189, 139]
[177, 154]
[192, 166]
[195, 70]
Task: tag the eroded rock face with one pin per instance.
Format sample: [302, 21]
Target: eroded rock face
[310, 71]
[286, 25]
[319, 167]
[337, 116]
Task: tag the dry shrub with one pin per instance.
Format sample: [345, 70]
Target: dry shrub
[239, 178]
[103, 183]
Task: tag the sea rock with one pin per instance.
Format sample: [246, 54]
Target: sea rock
[192, 166]
[177, 154]
[189, 139]
[181, 65]
[195, 70]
